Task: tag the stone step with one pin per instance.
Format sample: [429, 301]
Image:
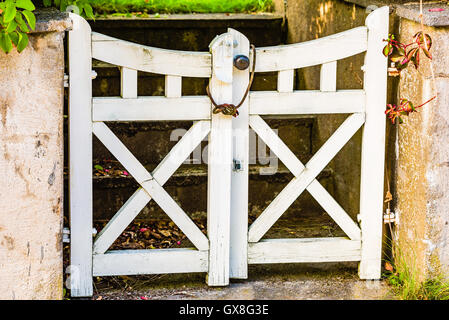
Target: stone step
[188, 186]
[150, 142]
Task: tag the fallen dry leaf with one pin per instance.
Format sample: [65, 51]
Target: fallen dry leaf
[388, 266]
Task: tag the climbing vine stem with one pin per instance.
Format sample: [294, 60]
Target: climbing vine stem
[401, 54]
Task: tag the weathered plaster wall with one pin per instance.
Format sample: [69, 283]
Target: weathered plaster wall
[31, 166]
[423, 159]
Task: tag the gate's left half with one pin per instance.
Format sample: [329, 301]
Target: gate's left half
[90, 116]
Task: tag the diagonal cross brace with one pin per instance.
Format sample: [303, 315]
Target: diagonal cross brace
[296, 167]
[299, 183]
[151, 186]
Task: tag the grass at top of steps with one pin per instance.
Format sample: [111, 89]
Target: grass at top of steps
[181, 6]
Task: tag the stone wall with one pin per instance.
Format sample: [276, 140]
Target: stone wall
[31, 164]
[422, 180]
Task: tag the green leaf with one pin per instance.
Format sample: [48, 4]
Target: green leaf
[25, 4]
[30, 17]
[7, 43]
[89, 11]
[14, 38]
[9, 13]
[23, 42]
[2, 42]
[98, 167]
[427, 53]
[387, 50]
[23, 26]
[11, 26]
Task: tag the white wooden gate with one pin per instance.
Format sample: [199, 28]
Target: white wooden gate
[229, 245]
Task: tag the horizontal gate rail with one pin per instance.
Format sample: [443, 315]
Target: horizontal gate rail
[151, 109]
[148, 59]
[311, 53]
[304, 250]
[307, 102]
[160, 261]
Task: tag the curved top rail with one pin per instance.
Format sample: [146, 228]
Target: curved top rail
[149, 59]
[314, 52]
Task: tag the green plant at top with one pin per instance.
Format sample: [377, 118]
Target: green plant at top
[145, 7]
[83, 6]
[17, 20]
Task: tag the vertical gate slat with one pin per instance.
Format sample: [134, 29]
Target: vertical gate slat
[128, 83]
[173, 86]
[373, 146]
[328, 76]
[286, 80]
[220, 164]
[239, 190]
[80, 157]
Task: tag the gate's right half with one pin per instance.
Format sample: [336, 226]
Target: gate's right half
[365, 109]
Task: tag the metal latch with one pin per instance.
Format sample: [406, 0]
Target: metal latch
[238, 165]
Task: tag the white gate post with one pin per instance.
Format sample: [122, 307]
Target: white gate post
[373, 146]
[80, 157]
[239, 190]
[220, 163]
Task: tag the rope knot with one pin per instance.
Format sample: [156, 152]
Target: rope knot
[227, 109]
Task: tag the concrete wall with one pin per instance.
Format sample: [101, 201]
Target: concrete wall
[422, 180]
[31, 165]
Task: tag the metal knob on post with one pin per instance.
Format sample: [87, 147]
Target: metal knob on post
[241, 62]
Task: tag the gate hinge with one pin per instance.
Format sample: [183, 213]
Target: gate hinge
[66, 78]
[391, 217]
[66, 235]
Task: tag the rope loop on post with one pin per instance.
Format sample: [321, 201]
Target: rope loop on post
[230, 109]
